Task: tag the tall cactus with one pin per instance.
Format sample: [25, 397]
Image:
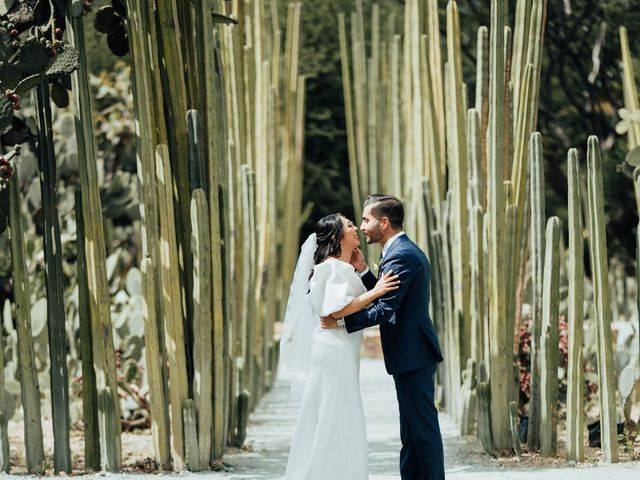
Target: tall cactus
[104, 352]
[549, 350]
[575, 377]
[537, 268]
[500, 360]
[29, 387]
[54, 282]
[599, 267]
[89, 391]
[153, 348]
[5, 458]
[202, 326]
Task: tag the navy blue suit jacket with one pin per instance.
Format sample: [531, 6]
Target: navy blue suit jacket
[409, 339]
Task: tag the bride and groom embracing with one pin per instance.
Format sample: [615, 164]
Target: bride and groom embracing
[333, 297]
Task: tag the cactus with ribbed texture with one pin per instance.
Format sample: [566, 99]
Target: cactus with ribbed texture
[536, 189]
[5, 460]
[171, 299]
[54, 281]
[575, 378]
[513, 422]
[103, 349]
[89, 391]
[29, 387]
[549, 350]
[191, 450]
[202, 326]
[599, 267]
[153, 347]
[484, 410]
[458, 180]
[478, 333]
[500, 360]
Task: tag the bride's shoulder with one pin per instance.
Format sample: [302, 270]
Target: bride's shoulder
[331, 266]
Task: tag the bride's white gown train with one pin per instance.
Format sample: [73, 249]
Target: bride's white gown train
[330, 441]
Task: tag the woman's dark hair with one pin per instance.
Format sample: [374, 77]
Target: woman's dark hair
[329, 232]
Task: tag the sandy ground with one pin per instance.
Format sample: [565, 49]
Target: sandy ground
[271, 428]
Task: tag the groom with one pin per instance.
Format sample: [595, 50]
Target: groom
[409, 342]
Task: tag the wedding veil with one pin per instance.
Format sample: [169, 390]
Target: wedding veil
[299, 321]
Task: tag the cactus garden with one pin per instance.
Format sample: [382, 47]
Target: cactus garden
[161, 162]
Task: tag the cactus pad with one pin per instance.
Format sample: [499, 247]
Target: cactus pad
[5, 6]
[627, 381]
[33, 59]
[6, 114]
[9, 77]
[67, 61]
[633, 157]
[77, 7]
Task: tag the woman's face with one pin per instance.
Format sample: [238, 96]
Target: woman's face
[350, 240]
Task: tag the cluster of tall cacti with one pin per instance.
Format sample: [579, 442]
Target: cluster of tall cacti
[219, 109]
[472, 178]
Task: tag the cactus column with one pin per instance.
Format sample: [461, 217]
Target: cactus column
[549, 341]
[575, 380]
[599, 267]
[54, 281]
[500, 349]
[104, 353]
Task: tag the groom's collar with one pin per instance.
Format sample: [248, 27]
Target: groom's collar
[390, 242]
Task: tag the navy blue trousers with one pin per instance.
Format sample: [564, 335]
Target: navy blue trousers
[421, 456]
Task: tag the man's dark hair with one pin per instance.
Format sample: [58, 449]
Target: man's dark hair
[386, 206]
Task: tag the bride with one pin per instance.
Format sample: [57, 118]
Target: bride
[330, 440]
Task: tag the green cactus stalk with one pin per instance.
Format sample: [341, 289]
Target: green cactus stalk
[458, 163]
[510, 248]
[5, 453]
[29, 387]
[484, 410]
[160, 429]
[104, 352]
[477, 286]
[513, 422]
[191, 449]
[215, 154]
[631, 99]
[171, 298]
[202, 324]
[500, 360]
[549, 351]
[575, 378]
[537, 269]
[599, 267]
[54, 281]
[482, 107]
[89, 390]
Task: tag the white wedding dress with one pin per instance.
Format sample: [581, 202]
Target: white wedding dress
[330, 441]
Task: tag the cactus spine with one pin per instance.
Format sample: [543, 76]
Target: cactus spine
[575, 380]
[599, 267]
[549, 351]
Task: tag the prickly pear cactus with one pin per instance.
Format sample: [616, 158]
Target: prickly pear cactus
[32, 49]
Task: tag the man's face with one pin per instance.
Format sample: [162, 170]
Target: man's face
[370, 226]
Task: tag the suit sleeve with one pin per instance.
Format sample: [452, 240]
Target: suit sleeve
[384, 308]
[369, 280]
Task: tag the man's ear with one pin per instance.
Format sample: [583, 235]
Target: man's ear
[385, 223]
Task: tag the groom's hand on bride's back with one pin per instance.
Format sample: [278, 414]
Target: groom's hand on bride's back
[328, 322]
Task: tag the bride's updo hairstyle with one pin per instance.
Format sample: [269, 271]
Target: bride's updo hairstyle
[328, 235]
